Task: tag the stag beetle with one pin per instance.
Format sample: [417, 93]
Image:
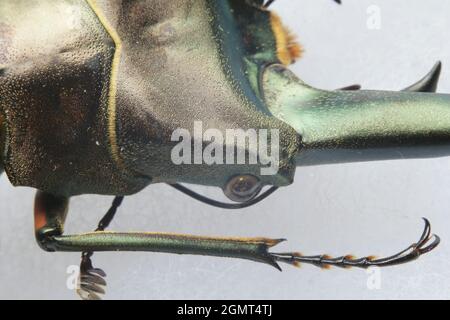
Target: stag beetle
[90, 99]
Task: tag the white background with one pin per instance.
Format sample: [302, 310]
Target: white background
[367, 208]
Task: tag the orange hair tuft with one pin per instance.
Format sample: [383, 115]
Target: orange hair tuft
[288, 48]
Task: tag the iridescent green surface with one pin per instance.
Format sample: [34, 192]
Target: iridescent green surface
[343, 126]
[255, 249]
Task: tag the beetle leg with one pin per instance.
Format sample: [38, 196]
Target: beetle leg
[51, 212]
[255, 249]
[268, 3]
[91, 280]
[49, 216]
[409, 254]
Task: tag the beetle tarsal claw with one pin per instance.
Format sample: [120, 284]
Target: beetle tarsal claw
[91, 282]
[426, 243]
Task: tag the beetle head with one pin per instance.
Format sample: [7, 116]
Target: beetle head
[188, 80]
[221, 65]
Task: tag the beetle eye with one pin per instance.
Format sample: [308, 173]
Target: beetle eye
[242, 188]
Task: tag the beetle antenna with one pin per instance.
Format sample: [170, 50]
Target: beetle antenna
[223, 205]
[268, 3]
[91, 280]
